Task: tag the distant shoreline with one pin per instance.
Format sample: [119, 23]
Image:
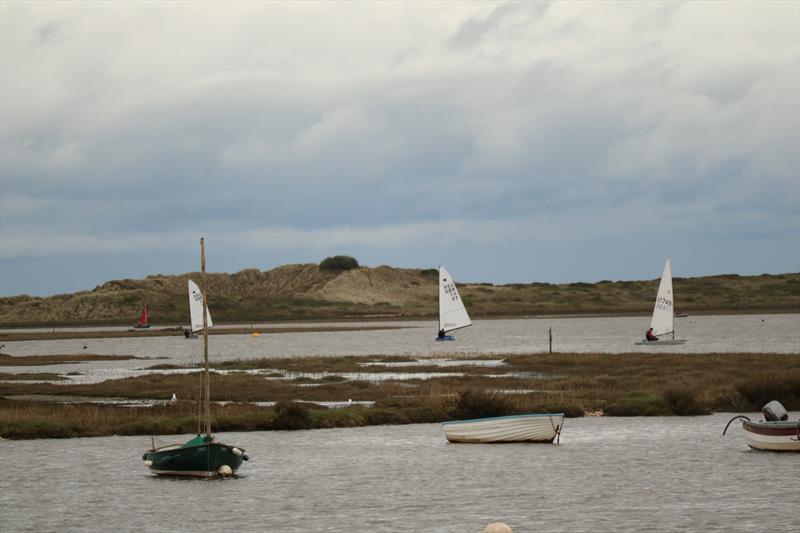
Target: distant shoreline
[394, 318]
[12, 332]
[307, 293]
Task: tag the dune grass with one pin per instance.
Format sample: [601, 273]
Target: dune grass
[304, 292]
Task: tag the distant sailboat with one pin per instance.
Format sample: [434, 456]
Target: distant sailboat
[203, 455]
[663, 322]
[452, 313]
[196, 308]
[143, 322]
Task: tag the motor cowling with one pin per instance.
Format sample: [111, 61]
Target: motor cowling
[774, 412]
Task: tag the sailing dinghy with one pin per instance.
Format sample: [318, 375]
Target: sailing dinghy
[663, 322]
[452, 313]
[203, 455]
[143, 322]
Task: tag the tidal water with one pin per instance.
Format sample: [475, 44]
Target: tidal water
[608, 474]
[705, 334]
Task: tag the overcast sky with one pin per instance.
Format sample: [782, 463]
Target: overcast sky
[510, 142]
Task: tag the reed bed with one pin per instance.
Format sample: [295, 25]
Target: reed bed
[36, 360]
[576, 384]
[33, 376]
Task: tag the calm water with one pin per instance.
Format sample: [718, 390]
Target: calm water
[608, 474]
[706, 334]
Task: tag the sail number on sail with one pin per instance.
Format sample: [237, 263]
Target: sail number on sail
[664, 304]
[450, 289]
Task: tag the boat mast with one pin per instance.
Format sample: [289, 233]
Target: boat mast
[440, 299]
[207, 395]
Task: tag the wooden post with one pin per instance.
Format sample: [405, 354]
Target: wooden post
[550, 331]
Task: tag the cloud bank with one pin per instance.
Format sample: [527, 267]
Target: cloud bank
[511, 141]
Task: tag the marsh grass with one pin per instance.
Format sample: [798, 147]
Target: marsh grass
[684, 402]
[39, 376]
[576, 384]
[637, 404]
[38, 360]
[770, 385]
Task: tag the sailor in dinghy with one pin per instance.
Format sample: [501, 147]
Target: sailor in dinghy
[452, 313]
[662, 322]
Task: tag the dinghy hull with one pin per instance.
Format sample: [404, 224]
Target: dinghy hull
[539, 427]
[671, 342]
[772, 436]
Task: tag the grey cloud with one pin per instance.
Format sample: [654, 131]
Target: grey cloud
[494, 19]
[50, 33]
[510, 131]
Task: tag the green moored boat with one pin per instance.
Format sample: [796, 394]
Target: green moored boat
[203, 455]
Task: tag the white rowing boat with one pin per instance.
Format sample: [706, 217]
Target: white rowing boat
[535, 427]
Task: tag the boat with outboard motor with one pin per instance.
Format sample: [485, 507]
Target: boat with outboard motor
[776, 433]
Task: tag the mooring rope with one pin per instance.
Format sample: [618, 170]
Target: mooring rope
[557, 429]
[731, 420]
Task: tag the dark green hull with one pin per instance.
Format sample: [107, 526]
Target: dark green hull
[200, 457]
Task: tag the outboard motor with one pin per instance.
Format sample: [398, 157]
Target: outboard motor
[774, 412]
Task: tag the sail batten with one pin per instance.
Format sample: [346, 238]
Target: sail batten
[452, 313]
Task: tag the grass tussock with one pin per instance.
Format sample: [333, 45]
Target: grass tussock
[684, 402]
[638, 404]
[291, 415]
[479, 403]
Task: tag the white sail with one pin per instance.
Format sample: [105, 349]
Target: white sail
[452, 314]
[196, 307]
[663, 313]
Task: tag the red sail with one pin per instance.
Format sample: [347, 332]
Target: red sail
[142, 323]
